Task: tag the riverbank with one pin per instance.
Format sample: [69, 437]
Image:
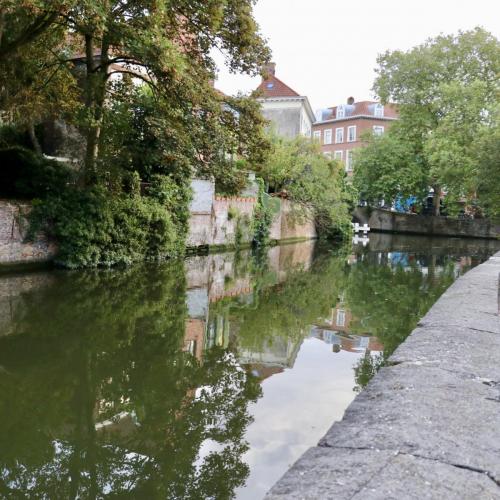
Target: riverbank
[427, 425]
[216, 223]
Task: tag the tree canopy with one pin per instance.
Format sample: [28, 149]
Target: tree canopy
[446, 90]
[109, 45]
[297, 169]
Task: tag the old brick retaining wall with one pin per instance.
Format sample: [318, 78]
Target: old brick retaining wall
[13, 225]
[216, 220]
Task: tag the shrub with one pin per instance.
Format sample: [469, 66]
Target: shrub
[26, 175]
[94, 229]
[12, 136]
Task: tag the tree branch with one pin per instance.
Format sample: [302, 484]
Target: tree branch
[39, 26]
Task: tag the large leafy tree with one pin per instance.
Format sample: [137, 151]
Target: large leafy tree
[166, 45]
[34, 83]
[388, 167]
[488, 172]
[297, 169]
[445, 89]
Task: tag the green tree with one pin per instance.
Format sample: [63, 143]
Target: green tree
[166, 45]
[388, 167]
[298, 169]
[488, 172]
[35, 84]
[445, 90]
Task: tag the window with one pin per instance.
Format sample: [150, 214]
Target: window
[317, 135]
[327, 136]
[340, 111]
[379, 111]
[349, 161]
[340, 317]
[351, 133]
[378, 130]
[339, 135]
[190, 347]
[327, 154]
[338, 155]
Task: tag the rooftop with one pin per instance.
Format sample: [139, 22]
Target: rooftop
[271, 86]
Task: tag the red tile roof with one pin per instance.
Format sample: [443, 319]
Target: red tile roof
[274, 87]
[363, 108]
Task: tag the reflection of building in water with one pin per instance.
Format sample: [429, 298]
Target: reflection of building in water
[212, 278]
[217, 332]
[262, 371]
[335, 330]
[346, 341]
[194, 337]
[279, 352]
[340, 319]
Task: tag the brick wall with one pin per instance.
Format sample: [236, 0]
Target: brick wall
[293, 226]
[214, 221]
[229, 213]
[13, 225]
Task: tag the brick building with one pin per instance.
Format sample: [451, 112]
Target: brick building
[289, 113]
[339, 129]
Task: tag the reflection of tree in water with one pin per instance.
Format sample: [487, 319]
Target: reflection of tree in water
[366, 368]
[388, 301]
[105, 348]
[284, 309]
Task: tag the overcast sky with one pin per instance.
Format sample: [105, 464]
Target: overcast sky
[327, 49]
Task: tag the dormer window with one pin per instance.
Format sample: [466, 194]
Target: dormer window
[340, 112]
[270, 85]
[379, 111]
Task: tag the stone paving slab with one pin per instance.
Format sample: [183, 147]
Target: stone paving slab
[425, 411]
[326, 473]
[449, 348]
[428, 425]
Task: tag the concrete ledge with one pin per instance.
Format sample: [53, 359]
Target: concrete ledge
[427, 426]
[395, 222]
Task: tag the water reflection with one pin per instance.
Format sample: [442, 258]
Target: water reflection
[204, 378]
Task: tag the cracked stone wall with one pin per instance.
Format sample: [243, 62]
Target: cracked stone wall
[426, 426]
[13, 226]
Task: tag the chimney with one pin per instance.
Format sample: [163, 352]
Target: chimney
[269, 69]
[350, 100]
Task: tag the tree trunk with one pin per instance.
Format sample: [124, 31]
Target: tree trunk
[436, 201]
[34, 138]
[2, 24]
[95, 94]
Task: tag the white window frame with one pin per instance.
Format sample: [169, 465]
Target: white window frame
[340, 317]
[379, 111]
[327, 136]
[340, 111]
[349, 129]
[317, 135]
[338, 155]
[379, 128]
[337, 130]
[348, 160]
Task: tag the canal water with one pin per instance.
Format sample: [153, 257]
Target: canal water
[203, 378]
